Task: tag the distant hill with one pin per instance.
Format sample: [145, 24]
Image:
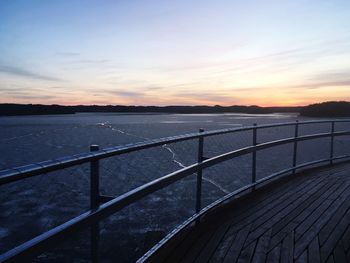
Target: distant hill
[33, 109]
[327, 109]
[37, 109]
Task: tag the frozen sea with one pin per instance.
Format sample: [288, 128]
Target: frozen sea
[34, 205]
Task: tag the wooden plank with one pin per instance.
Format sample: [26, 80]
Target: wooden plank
[348, 256]
[336, 217]
[346, 239]
[310, 234]
[193, 251]
[209, 249]
[314, 251]
[301, 218]
[281, 211]
[296, 197]
[168, 248]
[237, 245]
[274, 255]
[177, 253]
[328, 246]
[253, 213]
[330, 259]
[247, 253]
[287, 251]
[223, 247]
[287, 248]
[303, 257]
[261, 249]
[339, 253]
[290, 197]
[293, 225]
[324, 204]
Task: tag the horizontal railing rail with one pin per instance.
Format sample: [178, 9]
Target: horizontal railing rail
[114, 204]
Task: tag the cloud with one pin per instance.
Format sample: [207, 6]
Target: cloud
[68, 54]
[331, 75]
[152, 88]
[125, 93]
[206, 96]
[25, 73]
[316, 85]
[281, 60]
[25, 94]
[91, 61]
[254, 89]
[34, 97]
[320, 80]
[327, 79]
[288, 53]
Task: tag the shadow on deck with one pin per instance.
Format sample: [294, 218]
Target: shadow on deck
[301, 218]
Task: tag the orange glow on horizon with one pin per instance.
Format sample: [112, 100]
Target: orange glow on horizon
[265, 53]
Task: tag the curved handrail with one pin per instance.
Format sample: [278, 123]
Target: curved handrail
[43, 241]
[22, 172]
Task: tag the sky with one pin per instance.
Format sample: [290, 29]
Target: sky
[166, 52]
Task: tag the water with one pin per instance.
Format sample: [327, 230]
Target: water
[35, 205]
[35, 138]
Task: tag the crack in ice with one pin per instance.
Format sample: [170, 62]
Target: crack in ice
[170, 150]
[165, 146]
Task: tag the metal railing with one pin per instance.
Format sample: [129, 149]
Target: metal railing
[102, 206]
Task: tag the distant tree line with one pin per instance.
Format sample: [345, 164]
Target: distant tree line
[33, 109]
[185, 109]
[326, 109]
[37, 109]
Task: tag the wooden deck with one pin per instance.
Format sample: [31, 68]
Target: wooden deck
[302, 218]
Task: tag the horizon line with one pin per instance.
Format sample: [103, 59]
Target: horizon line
[162, 106]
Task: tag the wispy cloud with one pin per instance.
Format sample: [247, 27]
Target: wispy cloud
[331, 75]
[316, 85]
[124, 93]
[152, 88]
[331, 78]
[34, 97]
[206, 96]
[25, 94]
[67, 54]
[91, 61]
[21, 72]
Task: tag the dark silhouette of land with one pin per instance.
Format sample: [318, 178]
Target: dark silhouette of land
[38, 109]
[327, 109]
[33, 109]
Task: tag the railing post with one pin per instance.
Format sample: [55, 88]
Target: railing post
[94, 203]
[94, 180]
[199, 174]
[295, 150]
[331, 155]
[254, 155]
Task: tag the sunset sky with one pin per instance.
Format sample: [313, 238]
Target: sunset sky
[166, 52]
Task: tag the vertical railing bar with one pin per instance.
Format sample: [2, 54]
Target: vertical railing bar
[94, 180]
[295, 150]
[199, 175]
[94, 204]
[331, 155]
[254, 155]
